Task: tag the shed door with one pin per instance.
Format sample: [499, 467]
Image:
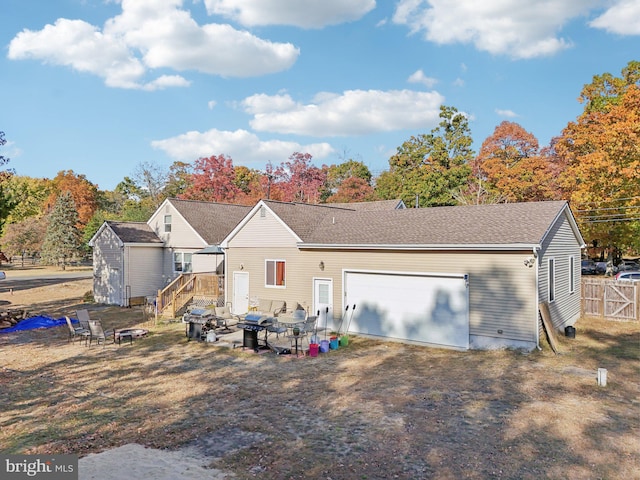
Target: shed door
[417, 307]
[115, 294]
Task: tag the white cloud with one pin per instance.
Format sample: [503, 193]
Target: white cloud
[501, 27]
[305, 14]
[355, 112]
[152, 34]
[622, 18]
[506, 113]
[242, 146]
[211, 104]
[419, 77]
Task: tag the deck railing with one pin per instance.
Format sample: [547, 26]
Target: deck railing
[181, 291]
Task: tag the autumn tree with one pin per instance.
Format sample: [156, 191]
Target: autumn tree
[298, 180]
[430, 166]
[7, 202]
[512, 167]
[602, 162]
[356, 173]
[24, 238]
[353, 189]
[83, 192]
[62, 239]
[213, 180]
[178, 180]
[253, 185]
[30, 195]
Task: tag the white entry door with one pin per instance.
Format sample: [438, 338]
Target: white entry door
[240, 302]
[323, 300]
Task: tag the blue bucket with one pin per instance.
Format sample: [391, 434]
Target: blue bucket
[324, 346]
[333, 343]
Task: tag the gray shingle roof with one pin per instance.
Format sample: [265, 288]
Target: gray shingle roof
[134, 232]
[213, 221]
[499, 224]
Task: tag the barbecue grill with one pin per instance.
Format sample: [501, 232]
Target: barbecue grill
[198, 321]
[252, 325]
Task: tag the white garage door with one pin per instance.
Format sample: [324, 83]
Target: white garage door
[417, 307]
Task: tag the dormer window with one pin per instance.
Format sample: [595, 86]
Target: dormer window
[167, 223]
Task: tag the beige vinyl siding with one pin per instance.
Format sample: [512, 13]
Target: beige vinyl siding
[253, 262]
[560, 245]
[499, 282]
[107, 265]
[143, 271]
[182, 235]
[206, 263]
[265, 231]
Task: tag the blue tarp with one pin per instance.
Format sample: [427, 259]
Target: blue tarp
[32, 323]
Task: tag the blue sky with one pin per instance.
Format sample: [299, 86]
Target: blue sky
[101, 86]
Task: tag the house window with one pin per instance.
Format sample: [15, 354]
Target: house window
[167, 223]
[552, 279]
[182, 262]
[274, 273]
[572, 274]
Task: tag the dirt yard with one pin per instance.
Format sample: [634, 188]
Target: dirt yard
[370, 410]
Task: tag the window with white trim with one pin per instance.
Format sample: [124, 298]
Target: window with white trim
[572, 274]
[182, 262]
[275, 273]
[167, 223]
[552, 279]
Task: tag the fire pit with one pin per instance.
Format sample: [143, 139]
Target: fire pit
[129, 333]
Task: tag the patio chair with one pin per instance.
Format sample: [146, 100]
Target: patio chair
[76, 331]
[83, 318]
[99, 334]
[276, 327]
[224, 318]
[308, 327]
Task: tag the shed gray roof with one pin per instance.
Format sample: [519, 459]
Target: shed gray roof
[134, 232]
[491, 225]
[213, 221]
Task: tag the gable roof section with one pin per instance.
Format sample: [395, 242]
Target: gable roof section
[374, 205]
[212, 221]
[498, 226]
[128, 232]
[134, 232]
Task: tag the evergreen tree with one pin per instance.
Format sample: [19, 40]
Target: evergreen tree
[62, 240]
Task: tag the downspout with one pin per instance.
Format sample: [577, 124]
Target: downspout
[537, 277]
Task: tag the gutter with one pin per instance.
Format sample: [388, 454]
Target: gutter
[536, 249]
[356, 246]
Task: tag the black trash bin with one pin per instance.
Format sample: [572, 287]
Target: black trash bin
[195, 331]
[570, 332]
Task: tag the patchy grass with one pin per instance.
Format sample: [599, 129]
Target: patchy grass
[371, 410]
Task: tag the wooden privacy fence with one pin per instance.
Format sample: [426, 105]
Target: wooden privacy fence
[609, 299]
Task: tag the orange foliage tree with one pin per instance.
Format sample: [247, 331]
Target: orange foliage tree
[83, 192]
[601, 151]
[512, 166]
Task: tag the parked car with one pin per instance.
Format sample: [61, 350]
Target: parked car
[3, 275]
[601, 268]
[627, 265]
[628, 276]
[588, 267]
